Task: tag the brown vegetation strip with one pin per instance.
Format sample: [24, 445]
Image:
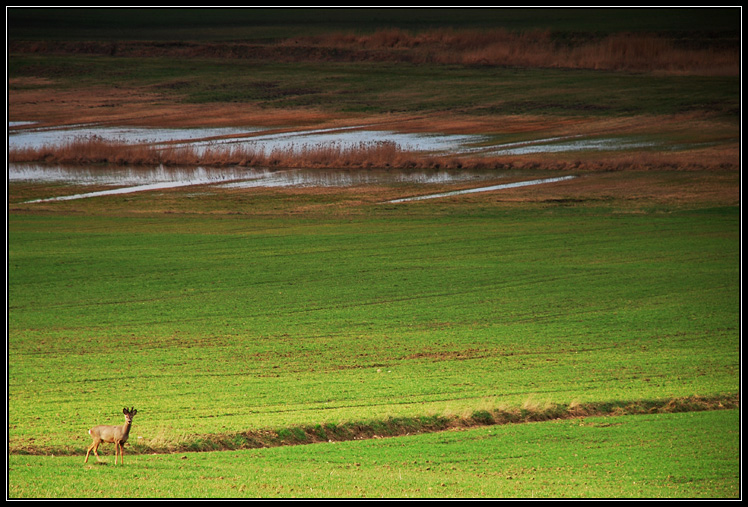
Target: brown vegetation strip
[535, 48]
[401, 426]
[385, 154]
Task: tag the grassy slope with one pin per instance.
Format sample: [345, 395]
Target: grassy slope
[393, 88]
[281, 321]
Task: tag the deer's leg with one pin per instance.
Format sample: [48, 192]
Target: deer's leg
[119, 448]
[93, 447]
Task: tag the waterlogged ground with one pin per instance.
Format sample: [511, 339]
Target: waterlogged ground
[26, 135]
[128, 179]
[124, 180]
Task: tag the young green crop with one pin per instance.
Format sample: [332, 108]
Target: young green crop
[214, 325]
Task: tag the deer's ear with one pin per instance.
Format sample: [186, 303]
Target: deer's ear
[124, 410]
[134, 411]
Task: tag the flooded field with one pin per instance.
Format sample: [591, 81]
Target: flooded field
[567, 144]
[125, 179]
[128, 179]
[26, 135]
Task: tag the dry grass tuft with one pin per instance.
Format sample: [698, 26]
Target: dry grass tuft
[537, 48]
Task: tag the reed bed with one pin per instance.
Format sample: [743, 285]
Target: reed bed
[623, 51]
[540, 48]
[94, 150]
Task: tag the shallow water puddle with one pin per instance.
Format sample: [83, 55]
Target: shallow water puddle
[129, 180]
[351, 138]
[135, 180]
[567, 144]
[26, 135]
[130, 176]
[350, 178]
[142, 180]
[123, 190]
[29, 136]
[484, 189]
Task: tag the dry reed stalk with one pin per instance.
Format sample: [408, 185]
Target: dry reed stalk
[537, 48]
[94, 150]
[533, 48]
[384, 154]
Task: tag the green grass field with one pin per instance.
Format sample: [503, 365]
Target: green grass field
[688, 455]
[213, 325]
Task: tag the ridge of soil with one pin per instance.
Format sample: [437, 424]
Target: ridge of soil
[403, 426]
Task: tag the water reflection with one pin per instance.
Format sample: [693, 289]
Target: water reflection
[346, 178]
[129, 179]
[28, 136]
[567, 144]
[109, 175]
[346, 138]
[37, 137]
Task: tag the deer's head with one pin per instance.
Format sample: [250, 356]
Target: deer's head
[129, 414]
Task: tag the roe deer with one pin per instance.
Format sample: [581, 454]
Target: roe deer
[112, 434]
